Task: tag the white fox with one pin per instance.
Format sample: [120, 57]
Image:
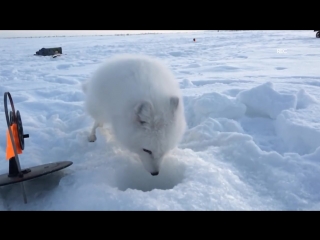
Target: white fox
[139, 98]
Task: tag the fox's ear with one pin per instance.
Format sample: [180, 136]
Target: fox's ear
[143, 111]
[174, 102]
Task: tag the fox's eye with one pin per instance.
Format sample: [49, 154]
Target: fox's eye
[148, 151]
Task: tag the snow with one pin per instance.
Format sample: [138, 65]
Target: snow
[253, 113]
[265, 101]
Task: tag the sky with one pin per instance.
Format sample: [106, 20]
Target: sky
[38, 33]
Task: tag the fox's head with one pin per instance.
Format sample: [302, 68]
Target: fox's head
[155, 130]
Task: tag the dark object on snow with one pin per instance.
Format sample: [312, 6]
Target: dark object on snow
[194, 39]
[49, 51]
[318, 33]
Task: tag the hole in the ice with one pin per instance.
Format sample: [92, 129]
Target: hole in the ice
[134, 176]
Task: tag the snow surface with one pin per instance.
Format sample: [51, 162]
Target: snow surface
[253, 138]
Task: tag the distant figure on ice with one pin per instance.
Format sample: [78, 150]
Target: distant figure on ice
[194, 39]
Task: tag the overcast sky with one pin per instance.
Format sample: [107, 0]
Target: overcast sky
[37, 33]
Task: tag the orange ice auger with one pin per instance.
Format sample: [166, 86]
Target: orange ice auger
[15, 145]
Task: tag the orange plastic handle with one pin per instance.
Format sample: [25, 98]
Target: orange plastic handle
[10, 151]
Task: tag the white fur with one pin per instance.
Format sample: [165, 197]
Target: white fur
[139, 98]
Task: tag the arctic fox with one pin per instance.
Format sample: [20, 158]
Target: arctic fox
[139, 98]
